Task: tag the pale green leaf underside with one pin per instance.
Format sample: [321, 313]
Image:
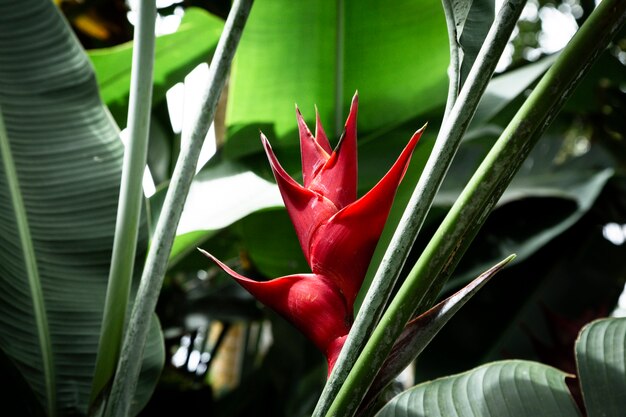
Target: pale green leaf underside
[66, 157]
[498, 389]
[601, 358]
[240, 192]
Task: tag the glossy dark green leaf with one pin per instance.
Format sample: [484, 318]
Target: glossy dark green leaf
[59, 182]
[601, 358]
[498, 389]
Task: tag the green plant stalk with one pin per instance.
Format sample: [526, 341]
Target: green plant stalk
[129, 365]
[130, 200]
[421, 200]
[423, 329]
[32, 272]
[480, 195]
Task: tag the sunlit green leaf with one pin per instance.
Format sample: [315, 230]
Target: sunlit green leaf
[320, 53]
[176, 55]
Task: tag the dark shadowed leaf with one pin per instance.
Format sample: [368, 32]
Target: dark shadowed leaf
[545, 198]
[59, 182]
[541, 303]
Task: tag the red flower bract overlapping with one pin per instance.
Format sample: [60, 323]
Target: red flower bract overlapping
[337, 233]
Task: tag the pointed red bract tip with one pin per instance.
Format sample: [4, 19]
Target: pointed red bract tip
[337, 179]
[320, 135]
[313, 152]
[310, 302]
[354, 231]
[306, 208]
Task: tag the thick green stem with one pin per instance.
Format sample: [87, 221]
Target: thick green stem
[131, 356]
[421, 200]
[481, 194]
[130, 200]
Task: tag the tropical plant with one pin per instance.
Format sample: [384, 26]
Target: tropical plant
[85, 255]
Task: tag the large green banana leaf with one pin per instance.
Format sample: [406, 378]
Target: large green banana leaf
[524, 388]
[59, 181]
[320, 53]
[499, 389]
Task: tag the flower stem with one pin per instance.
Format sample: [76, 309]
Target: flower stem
[480, 195]
[130, 199]
[127, 374]
[421, 200]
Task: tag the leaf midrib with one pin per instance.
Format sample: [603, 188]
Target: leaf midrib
[339, 67]
[30, 263]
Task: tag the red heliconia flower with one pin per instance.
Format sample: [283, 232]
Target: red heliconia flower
[337, 233]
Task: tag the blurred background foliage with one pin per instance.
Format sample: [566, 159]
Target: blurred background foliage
[564, 214]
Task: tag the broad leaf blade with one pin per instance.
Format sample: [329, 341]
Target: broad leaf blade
[601, 359]
[67, 157]
[505, 88]
[289, 55]
[498, 389]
